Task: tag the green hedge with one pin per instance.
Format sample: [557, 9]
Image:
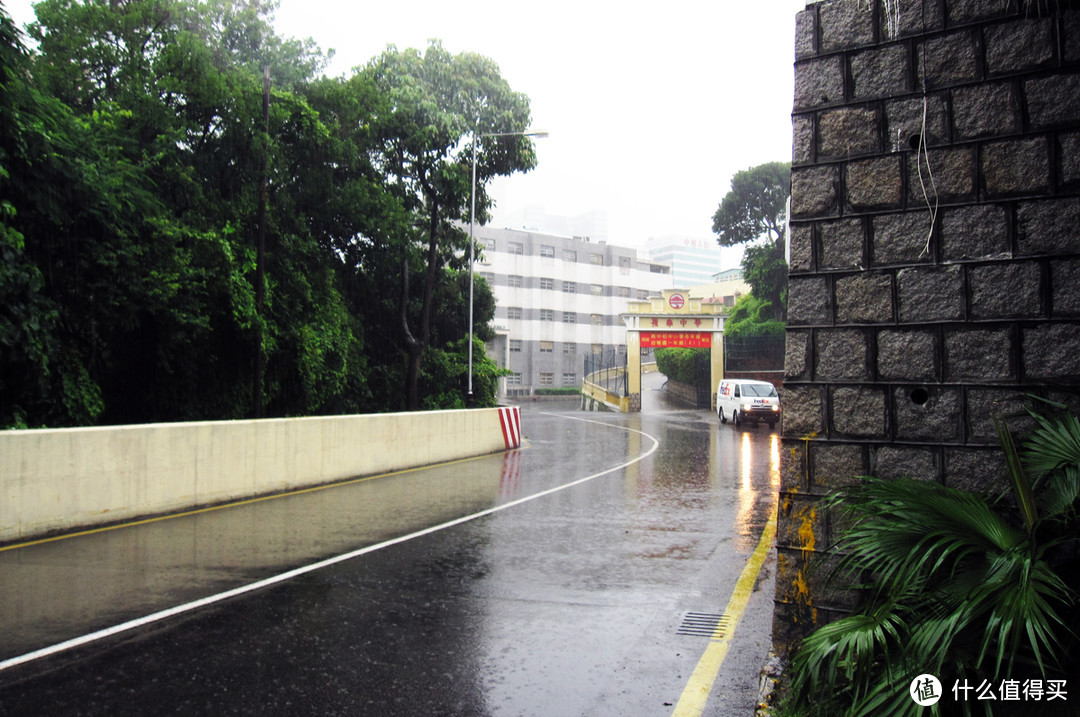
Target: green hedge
[557, 391]
[679, 364]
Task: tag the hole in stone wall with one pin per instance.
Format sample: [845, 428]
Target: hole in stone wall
[919, 396]
[915, 141]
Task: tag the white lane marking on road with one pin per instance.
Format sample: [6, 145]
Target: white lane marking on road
[296, 572]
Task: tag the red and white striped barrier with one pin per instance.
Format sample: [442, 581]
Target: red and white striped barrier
[510, 420]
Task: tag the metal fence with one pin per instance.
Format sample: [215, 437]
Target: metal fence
[608, 371]
[754, 353]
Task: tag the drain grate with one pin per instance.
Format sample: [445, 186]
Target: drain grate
[704, 624]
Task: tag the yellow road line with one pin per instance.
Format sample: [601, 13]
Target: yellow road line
[696, 694]
[234, 504]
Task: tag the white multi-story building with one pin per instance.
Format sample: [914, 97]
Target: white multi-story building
[558, 299]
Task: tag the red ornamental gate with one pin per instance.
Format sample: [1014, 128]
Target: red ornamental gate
[673, 320]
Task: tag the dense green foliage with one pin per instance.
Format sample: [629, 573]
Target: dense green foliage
[752, 316]
[756, 206]
[680, 364]
[135, 162]
[961, 585]
[754, 213]
[430, 104]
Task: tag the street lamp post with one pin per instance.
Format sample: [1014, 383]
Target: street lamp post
[472, 238]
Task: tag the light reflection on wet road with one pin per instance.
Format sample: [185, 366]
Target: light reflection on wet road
[564, 605]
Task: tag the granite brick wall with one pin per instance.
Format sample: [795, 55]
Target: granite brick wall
[935, 252]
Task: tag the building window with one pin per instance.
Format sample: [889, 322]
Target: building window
[513, 379]
[596, 289]
[569, 379]
[513, 312]
[642, 295]
[596, 319]
[569, 317]
[569, 287]
[548, 252]
[515, 247]
[547, 379]
[515, 345]
[547, 314]
[597, 349]
[624, 265]
[624, 292]
[547, 284]
[515, 281]
[489, 244]
[596, 259]
[569, 348]
[569, 255]
[547, 347]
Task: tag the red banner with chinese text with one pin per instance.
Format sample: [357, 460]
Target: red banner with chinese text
[676, 339]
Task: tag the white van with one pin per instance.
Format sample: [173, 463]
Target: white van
[743, 400]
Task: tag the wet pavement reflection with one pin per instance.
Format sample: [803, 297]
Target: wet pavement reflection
[58, 590]
[568, 604]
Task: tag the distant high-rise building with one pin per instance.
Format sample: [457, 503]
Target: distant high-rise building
[558, 299]
[693, 262]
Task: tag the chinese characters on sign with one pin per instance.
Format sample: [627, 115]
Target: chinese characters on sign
[1012, 690]
[676, 339]
[671, 322]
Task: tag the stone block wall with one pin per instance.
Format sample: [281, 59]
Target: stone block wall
[935, 252]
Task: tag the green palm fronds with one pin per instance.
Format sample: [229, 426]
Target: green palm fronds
[957, 584]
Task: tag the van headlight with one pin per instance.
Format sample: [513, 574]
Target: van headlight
[748, 406]
[776, 408]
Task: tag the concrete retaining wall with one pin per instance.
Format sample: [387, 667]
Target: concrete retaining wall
[59, 479]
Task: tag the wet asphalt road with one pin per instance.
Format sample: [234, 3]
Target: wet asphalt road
[566, 604]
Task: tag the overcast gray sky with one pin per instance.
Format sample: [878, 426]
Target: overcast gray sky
[651, 107]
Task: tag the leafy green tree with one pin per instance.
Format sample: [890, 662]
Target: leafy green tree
[433, 105]
[754, 212]
[756, 206]
[449, 335]
[765, 270]
[69, 200]
[157, 244]
[132, 160]
[751, 316]
[28, 317]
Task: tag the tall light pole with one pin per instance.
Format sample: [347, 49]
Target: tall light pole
[472, 238]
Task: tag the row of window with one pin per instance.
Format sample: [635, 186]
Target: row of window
[546, 379]
[516, 281]
[547, 251]
[568, 347]
[568, 317]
